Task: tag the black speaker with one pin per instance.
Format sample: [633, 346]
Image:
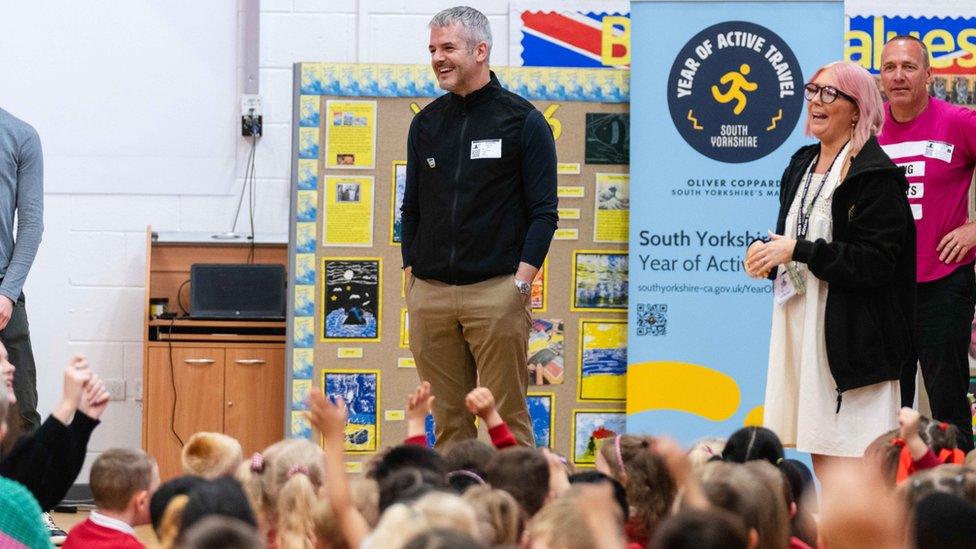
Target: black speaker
[229, 291]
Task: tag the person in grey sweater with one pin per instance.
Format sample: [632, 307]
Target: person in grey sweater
[21, 198]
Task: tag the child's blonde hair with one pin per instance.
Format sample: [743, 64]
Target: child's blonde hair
[401, 522]
[172, 521]
[327, 529]
[284, 481]
[499, 514]
[750, 492]
[705, 450]
[211, 455]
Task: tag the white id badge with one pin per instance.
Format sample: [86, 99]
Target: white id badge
[486, 148]
[783, 288]
[939, 150]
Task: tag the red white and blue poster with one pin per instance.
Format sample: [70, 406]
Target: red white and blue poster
[570, 34]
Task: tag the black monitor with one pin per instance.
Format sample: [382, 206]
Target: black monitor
[230, 291]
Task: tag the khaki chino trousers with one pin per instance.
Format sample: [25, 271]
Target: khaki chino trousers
[467, 336]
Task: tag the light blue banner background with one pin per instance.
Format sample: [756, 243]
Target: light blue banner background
[727, 332]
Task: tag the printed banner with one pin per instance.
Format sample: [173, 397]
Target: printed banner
[704, 186]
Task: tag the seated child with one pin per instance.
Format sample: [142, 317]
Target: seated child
[211, 455]
[122, 483]
[20, 516]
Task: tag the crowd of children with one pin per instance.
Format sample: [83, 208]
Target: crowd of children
[913, 488]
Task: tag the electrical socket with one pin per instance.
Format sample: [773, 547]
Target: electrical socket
[137, 389]
[115, 388]
[252, 122]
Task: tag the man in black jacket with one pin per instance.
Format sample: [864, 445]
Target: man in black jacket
[479, 211]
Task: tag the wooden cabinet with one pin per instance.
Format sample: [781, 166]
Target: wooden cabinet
[234, 390]
[206, 375]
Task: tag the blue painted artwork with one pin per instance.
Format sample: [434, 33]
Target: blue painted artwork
[601, 281]
[304, 237]
[359, 391]
[429, 430]
[308, 179]
[301, 363]
[540, 411]
[605, 361]
[310, 116]
[351, 299]
[305, 268]
[400, 186]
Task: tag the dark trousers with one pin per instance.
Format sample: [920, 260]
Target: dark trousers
[943, 331]
[16, 338]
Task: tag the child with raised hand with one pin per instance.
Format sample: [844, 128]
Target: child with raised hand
[330, 420]
[20, 516]
[480, 402]
[47, 460]
[122, 482]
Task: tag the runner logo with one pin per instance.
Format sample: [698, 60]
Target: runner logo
[735, 92]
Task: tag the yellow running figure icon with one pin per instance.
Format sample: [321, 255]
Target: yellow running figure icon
[738, 85]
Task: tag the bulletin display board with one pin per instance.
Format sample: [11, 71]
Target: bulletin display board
[347, 314]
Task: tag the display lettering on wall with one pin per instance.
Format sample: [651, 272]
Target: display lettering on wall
[951, 41]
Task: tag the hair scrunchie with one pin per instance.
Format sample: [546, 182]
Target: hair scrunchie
[257, 463]
[299, 469]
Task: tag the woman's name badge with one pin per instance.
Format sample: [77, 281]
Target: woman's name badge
[787, 284]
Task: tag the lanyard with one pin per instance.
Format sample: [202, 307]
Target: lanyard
[805, 211]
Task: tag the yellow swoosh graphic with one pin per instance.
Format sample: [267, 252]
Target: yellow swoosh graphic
[683, 387]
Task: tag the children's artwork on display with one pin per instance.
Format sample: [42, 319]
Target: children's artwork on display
[304, 268]
[300, 388]
[545, 361]
[308, 143]
[308, 178]
[398, 188]
[304, 334]
[540, 285]
[360, 390]
[351, 298]
[350, 131]
[611, 212]
[429, 430]
[590, 429]
[300, 426]
[306, 207]
[602, 370]
[304, 300]
[348, 205]
[302, 364]
[607, 138]
[542, 411]
[309, 116]
[600, 281]
[305, 237]
[404, 328]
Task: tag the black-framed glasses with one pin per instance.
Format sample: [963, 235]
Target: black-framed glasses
[827, 93]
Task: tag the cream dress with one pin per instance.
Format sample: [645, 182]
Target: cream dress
[801, 396]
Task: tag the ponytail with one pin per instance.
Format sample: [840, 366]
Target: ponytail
[296, 527]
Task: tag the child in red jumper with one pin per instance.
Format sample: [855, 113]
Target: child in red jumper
[480, 402]
[122, 482]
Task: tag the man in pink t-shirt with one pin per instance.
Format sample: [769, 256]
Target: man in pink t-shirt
[936, 144]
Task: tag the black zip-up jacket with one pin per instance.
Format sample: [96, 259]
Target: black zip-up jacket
[869, 266]
[469, 219]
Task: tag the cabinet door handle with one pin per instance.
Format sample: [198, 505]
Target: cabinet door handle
[248, 361]
[199, 360]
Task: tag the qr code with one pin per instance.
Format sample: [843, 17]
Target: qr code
[652, 319]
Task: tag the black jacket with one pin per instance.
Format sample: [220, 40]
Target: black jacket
[869, 266]
[48, 459]
[466, 220]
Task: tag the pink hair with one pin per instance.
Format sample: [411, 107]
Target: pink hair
[856, 81]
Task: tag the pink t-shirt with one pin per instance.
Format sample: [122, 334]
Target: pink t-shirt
[938, 151]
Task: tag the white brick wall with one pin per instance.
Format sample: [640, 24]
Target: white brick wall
[85, 290]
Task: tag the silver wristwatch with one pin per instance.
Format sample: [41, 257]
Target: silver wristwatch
[524, 287]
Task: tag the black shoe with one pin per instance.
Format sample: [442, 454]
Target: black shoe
[57, 535]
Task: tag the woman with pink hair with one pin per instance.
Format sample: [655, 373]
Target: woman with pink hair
[843, 264]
